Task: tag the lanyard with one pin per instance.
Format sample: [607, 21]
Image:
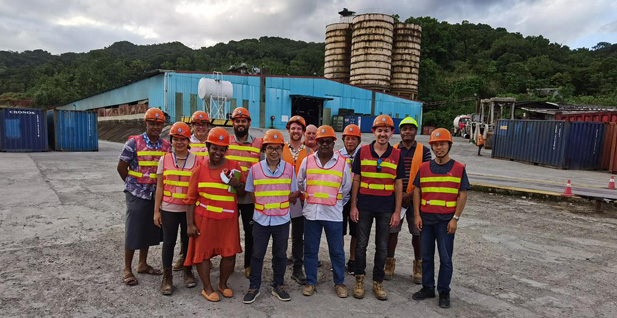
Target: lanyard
[176, 160]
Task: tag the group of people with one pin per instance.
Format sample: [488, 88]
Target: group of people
[203, 182]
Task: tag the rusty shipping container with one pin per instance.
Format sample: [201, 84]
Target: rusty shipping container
[609, 151]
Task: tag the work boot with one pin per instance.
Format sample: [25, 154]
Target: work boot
[299, 277]
[167, 286]
[358, 290]
[179, 264]
[417, 271]
[247, 272]
[380, 293]
[444, 300]
[189, 278]
[389, 268]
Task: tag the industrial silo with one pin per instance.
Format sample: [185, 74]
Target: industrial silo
[371, 51]
[406, 59]
[338, 49]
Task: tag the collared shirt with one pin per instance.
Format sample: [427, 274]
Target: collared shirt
[258, 217]
[345, 154]
[249, 140]
[194, 140]
[321, 212]
[129, 154]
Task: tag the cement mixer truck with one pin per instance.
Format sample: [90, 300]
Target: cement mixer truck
[459, 124]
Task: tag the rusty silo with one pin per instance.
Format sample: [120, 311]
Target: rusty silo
[338, 49]
[371, 51]
[406, 59]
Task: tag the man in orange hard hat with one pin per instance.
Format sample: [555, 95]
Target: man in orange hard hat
[376, 196]
[351, 142]
[293, 153]
[245, 149]
[137, 168]
[439, 199]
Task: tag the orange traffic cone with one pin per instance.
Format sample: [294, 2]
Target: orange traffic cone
[611, 183]
[568, 191]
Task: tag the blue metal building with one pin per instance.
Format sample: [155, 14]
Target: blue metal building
[266, 97]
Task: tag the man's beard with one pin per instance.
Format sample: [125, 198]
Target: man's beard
[241, 133]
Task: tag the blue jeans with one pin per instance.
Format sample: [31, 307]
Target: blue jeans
[445, 245]
[382, 232]
[261, 237]
[312, 238]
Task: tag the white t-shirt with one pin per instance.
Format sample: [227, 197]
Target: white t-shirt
[170, 207]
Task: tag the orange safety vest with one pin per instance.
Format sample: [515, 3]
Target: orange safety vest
[323, 185]
[373, 182]
[200, 150]
[287, 157]
[440, 192]
[147, 160]
[480, 141]
[245, 155]
[272, 193]
[415, 165]
[175, 181]
[215, 201]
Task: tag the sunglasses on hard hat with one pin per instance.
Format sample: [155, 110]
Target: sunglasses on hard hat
[379, 161]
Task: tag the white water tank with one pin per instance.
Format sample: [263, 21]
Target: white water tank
[208, 87]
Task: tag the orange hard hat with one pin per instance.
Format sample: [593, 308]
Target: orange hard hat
[154, 114]
[297, 119]
[273, 136]
[218, 136]
[352, 130]
[200, 117]
[180, 129]
[241, 112]
[383, 120]
[440, 134]
[325, 131]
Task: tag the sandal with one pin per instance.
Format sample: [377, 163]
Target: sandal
[214, 297]
[129, 279]
[227, 292]
[150, 271]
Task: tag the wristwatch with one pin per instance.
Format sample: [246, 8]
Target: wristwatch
[457, 217]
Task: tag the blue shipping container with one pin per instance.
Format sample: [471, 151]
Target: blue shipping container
[71, 130]
[554, 143]
[23, 129]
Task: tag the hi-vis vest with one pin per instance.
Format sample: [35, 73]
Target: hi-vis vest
[175, 181]
[323, 185]
[147, 160]
[287, 157]
[215, 202]
[272, 194]
[440, 192]
[200, 150]
[373, 182]
[245, 155]
[415, 165]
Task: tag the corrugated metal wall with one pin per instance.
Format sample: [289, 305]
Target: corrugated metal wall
[73, 130]
[23, 129]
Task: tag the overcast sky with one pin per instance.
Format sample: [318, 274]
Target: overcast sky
[60, 26]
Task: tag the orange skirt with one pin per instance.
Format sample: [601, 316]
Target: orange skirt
[216, 237]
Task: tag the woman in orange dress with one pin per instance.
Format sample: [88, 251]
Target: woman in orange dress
[212, 215]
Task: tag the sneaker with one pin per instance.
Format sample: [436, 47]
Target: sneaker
[281, 293]
[299, 277]
[351, 268]
[308, 290]
[250, 296]
[341, 291]
[424, 293]
[444, 300]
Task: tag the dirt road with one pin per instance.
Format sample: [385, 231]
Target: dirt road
[62, 236]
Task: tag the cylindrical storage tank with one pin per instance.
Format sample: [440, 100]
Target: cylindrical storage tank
[371, 51]
[23, 130]
[406, 59]
[338, 50]
[71, 130]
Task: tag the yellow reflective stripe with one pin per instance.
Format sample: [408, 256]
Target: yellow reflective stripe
[378, 175]
[377, 186]
[141, 175]
[271, 181]
[214, 197]
[239, 158]
[320, 195]
[271, 193]
[449, 204]
[245, 148]
[440, 179]
[148, 163]
[174, 195]
[177, 173]
[213, 185]
[374, 163]
[439, 190]
[323, 183]
[151, 153]
[323, 171]
[243, 168]
[200, 153]
[339, 196]
[198, 145]
[283, 205]
[176, 183]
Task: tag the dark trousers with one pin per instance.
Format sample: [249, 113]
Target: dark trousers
[479, 149]
[171, 221]
[297, 243]
[261, 237]
[382, 232]
[445, 245]
[246, 212]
